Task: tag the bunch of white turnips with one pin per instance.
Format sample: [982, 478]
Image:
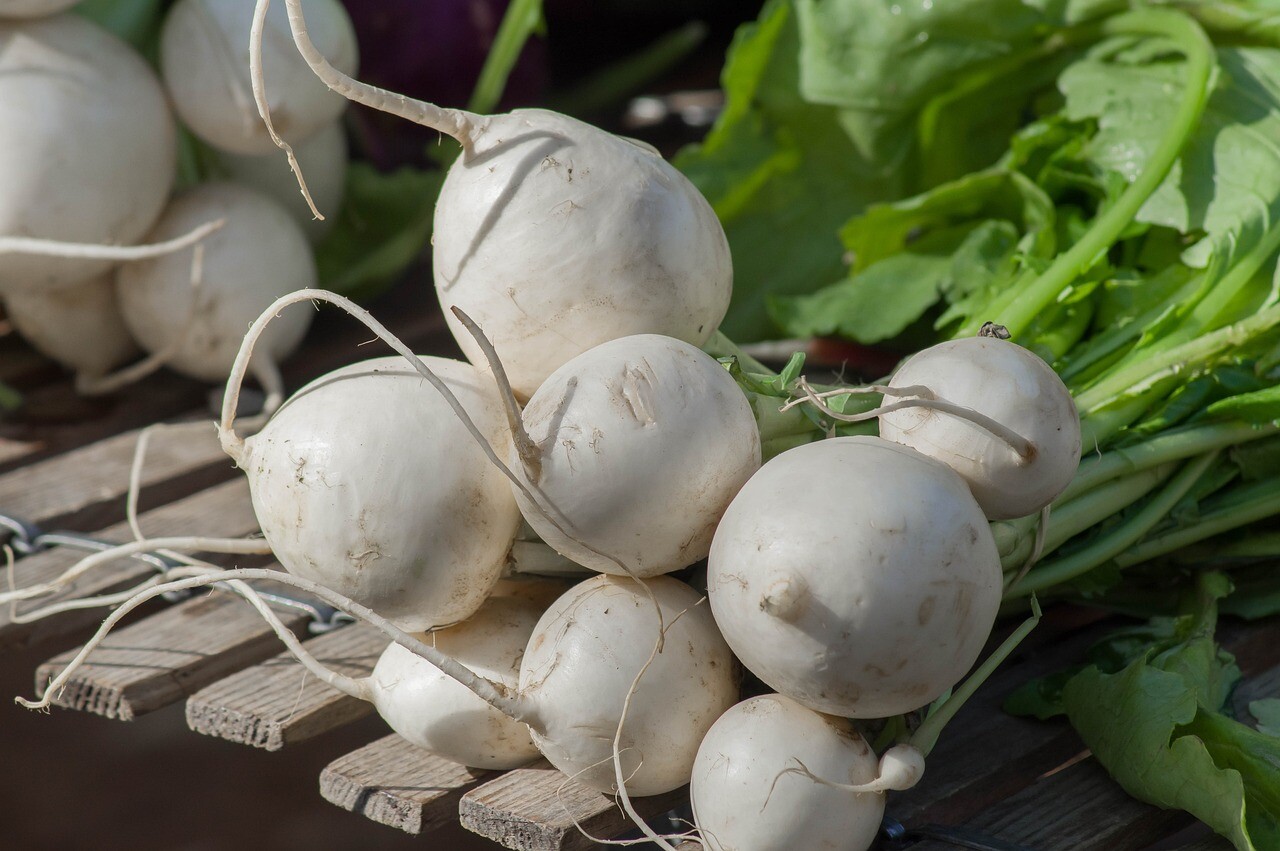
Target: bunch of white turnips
[857, 577]
[104, 258]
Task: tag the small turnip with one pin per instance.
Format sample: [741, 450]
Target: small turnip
[436, 713]
[204, 60]
[259, 254]
[79, 326]
[856, 576]
[323, 156]
[555, 236]
[639, 445]
[1008, 385]
[747, 794]
[88, 142]
[367, 481]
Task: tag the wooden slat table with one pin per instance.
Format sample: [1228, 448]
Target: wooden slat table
[213, 659]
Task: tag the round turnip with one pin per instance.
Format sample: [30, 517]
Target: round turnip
[79, 326]
[1008, 385]
[856, 576]
[204, 60]
[746, 765]
[259, 254]
[88, 142]
[555, 236]
[639, 445]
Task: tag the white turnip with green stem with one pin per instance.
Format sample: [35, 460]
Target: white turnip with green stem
[856, 576]
[260, 254]
[988, 408]
[205, 63]
[556, 236]
[89, 146]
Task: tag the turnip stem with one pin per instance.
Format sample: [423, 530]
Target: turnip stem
[721, 346]
[1118, 540]
[1018, 306]
[1259, 501]
[495, 694]
[926, 735]
[82, 251]
[459, 124]
[530, 455]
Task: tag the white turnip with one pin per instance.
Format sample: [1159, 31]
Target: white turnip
[204, 60]
[856, 576]
[556, 236]
[747, 793]
[1008, 385]
[367, 481]
[638, 445]
[261, 253]
[87, 141]
[436, 713]
[79, 326]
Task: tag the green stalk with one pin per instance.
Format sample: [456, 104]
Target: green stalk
[523, 19]
[1140, 377]
[1175, 445]
[720, 346]
[1119, 539]
[1019, 306]
[1260, 501]
[926, 735]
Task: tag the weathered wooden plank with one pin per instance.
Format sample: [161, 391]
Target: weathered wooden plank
[540, 809]
[273, 704]
[1077, 809]
[962, 777]
[223, 510]
[167, 656]
[394, 783]
[85, 488]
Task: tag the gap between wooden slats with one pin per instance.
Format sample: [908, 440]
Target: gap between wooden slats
[167, 656]
[223, 510]
[394, 783]
[278, 702]
[534, 809]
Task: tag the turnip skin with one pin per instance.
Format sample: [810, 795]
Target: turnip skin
[259, 254]
[204, 60]
[1012, 386]
[365, 481]
[643, 442]
[323, 156]
[436, 713]
[88, 141]
[745, 800]
[78, 326]
[580, 664]
[555, 236]
[855, 576]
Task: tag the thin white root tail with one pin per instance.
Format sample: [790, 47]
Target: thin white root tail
[901, 768]
[83, 251]
[259, 85]
[495, 694]
[1023, 447]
